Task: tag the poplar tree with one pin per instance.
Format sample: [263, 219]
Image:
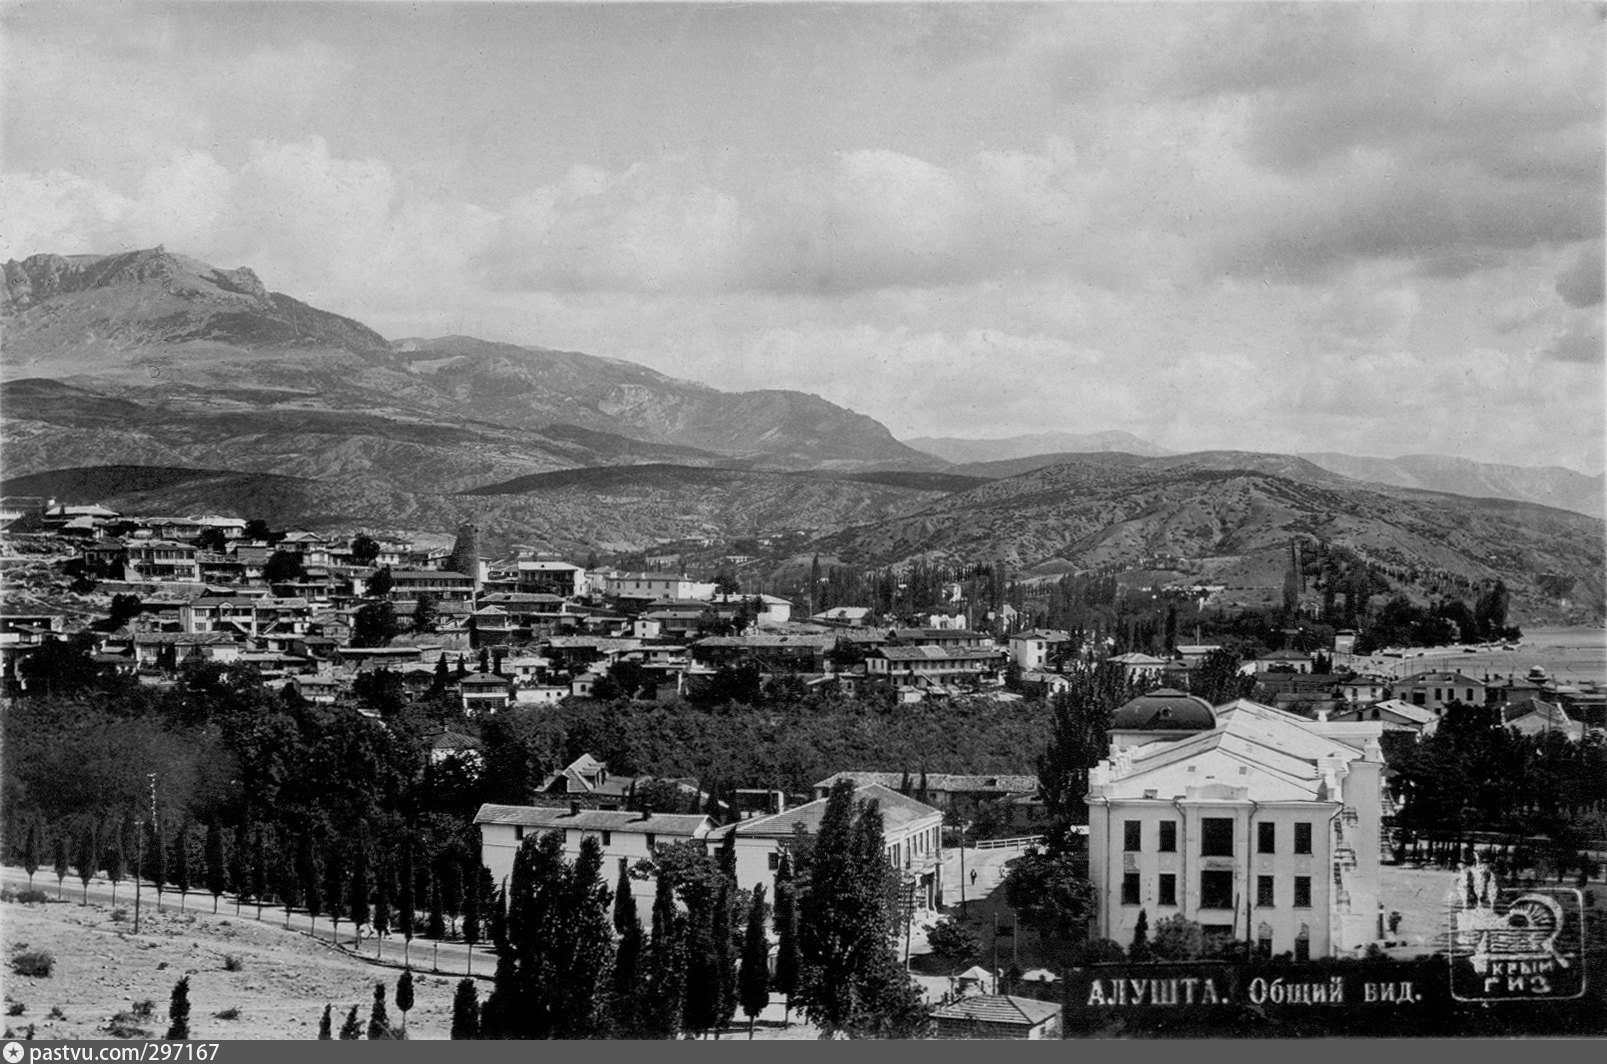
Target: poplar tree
[666, 963]
[352, 1029]
[629, 991]
[624, 902]
[436, 928]
[325, 1025]
[404, 901]
[116, 861]
[62, 865]
[726, 952]
[473, 898]
[217, 868]
[786, 924]
[178, 1011]
[357, 901]
[240, 865]
[153, 863]
[466, 1011]
[259, 870]
[382, 909]
[86, 859]
[334, 886]
[310, 871]
[753, 980]
[404, 995]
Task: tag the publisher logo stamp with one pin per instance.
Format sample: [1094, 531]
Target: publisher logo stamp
[13, 1052]
[1512, 944]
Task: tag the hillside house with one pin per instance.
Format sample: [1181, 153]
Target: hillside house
[1036, 648]
[1436, 690]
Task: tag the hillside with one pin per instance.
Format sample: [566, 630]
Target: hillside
[965, 451]
[1091, 515]
[1546, 485]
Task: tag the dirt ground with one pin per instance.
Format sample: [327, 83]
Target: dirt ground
[284, 978]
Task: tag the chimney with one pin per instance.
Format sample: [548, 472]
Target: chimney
[574, 807]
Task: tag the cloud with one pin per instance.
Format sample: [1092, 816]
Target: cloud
[1580, 285]
[1579, 340]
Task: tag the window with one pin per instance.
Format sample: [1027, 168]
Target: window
[608, 837]
[1168, 889]
[1168, 836]
[1130, 888]
[1263, 891]
[1132, 835]
[1266, 838]
[1263, 946]
[775, 860]
[1303, 946]
[518, 833]
[652, 841]
[1303, 836]
[1216, 890]
[1302, 892]
[1216, 836]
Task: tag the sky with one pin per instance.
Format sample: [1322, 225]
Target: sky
[1368, 228]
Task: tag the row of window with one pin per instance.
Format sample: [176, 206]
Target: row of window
[1216, 890]
[1216, 837]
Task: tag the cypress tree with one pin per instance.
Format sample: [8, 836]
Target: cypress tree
[116, 860]
[588, 946]
[436, 928]
[1140, 948]
[32, 849]
[155, 861]
[723, 931]
[178, 1011]
[628, 998]
[352, 1029]
[624, 903]
[404, 994]
[786, 924]
[86, 860]
[217, 868]
[666, 963]
[404, 901]
[178, 861]
[325, 1025]
[466, 1011]
[701, 1012]
[334, 886]
[473, 899]
[357, 901]
[382, 909]
[310, 871]
[259, 870]
[240, 865]
[59, 845]
[379, 1022]
[753, 980]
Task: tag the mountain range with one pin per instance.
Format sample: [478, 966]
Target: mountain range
[156, 382]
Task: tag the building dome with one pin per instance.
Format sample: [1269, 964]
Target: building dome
[1164, 710]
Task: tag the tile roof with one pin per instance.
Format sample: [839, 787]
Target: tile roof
[939, 781]
[998, 1008]
[897, 811]
[939, 653]
[686, 825]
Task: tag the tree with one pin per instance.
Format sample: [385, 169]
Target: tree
[666, 964]
[382, 909]
[753, 980]
[404, 994]
[405, 916]
[1178, 938]
[211, 538]
[239, 865]
[179, 863]
[476, 890]
[284, 567]
[955, 942]
[436, 929]
[334, 886]
[375, 624]
[153, 865]
[381, 583]
[852, 982]
[466, 1011]
[1051, 893]
[86, 860]
[326, 1024]
[62, 865]
[310, 871]
[786, 924]
[1139, 950]
[379, 1022]
[425, 612]
[357, 897]
[257, 530]
[364, 549]
[627, 1000]
[217, 867]
[1077, 741]
[352, 1029]
[259, 870]
[726, 584]
[32, 849]
[117, 860]
[178, 1011]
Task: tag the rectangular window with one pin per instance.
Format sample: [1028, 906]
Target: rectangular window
[1303, 948]
[1263, 891]
[1168, 894]
[652, 841]
[1302, 892]
[1168, 836]
[775, 860]
[608, 837]
[1216, 836]
[1132, 835]
[1303, 836]
[1130, 888]
[1216, 890]
[1266, 838]
[518, 833]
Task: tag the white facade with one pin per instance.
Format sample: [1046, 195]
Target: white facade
[1260, 829]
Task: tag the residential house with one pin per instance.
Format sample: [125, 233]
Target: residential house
[484, 692]
[1283, 661]
[1436, 690]
[933, 665]
[550, 577]
[1534, 717]
[1393, 714]
[1137, 667]
[997, 1016]
[162, 561]
[1035, 648]
[651, 587]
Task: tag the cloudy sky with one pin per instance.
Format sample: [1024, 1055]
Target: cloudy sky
[1357, 227]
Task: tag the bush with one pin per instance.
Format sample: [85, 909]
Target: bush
[36, 964]
[16, 1008]
[55, 1013]
[124, 1025]
[144, 1010]
[25, 897]
[119, 915]
[227, 1014]
[231, 963]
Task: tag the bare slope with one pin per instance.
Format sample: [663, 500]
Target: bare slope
[962, 451]
[1547, 485]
